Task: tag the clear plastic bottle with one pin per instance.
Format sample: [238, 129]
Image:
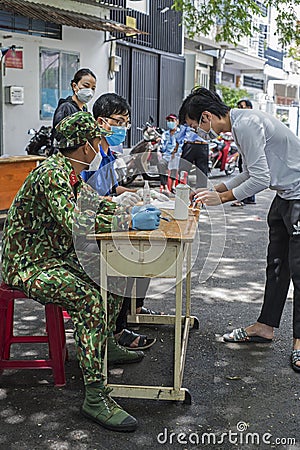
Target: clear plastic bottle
[146, 193]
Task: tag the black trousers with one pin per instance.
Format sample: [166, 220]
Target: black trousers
[193, 153]
[142, 285]
[162, 166]
[283, 262]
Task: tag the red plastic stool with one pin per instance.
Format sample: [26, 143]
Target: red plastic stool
[55, 337]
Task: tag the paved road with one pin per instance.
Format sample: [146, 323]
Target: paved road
[243, 397]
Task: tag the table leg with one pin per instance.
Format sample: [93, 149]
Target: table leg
[178, 314]
[188, 279]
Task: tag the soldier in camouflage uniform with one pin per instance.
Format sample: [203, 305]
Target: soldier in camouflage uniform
[39, 257]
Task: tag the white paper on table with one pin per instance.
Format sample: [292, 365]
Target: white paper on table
[170, 204]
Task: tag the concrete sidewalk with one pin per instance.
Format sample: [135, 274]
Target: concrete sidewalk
[243, 396]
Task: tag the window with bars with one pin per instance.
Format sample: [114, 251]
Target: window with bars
[57, 69]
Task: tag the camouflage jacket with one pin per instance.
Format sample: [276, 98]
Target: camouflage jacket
[51, 207]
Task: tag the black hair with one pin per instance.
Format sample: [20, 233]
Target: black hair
[247, 102]
[81, 73]
[199, 100]
[108, 104]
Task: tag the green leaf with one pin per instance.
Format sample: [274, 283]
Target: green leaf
[234, 18]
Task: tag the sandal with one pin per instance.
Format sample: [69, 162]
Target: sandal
[240, 336]
[150, 311]
[295, 357]
[128, 337]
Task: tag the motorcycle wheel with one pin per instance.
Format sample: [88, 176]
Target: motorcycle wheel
[230, 169]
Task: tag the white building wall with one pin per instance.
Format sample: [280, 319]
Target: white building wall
[17, 119]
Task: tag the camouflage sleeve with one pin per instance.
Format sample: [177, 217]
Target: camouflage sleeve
[107, 212]
[91, 213]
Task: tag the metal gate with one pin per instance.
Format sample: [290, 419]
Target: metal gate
[152, 83]
[144, 90]
[171, 86]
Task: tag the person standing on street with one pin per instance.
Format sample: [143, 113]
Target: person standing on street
[169, 148]
[271, 155]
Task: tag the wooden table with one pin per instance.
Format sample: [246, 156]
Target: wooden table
[13, 171]
[155, 254]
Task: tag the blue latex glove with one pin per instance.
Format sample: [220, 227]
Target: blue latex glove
[145, 217]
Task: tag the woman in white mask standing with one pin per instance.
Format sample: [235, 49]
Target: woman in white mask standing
[83, 86]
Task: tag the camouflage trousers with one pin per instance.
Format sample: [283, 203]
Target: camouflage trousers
[80, 297]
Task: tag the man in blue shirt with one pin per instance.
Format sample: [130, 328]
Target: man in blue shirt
[169, 146]
[104, 180]
[112, 112]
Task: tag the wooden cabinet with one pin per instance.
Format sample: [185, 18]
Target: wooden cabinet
[13, 171]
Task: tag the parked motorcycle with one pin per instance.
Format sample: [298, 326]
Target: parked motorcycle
[142, 159]
[40, 142]
[120, 167]
[223, 154]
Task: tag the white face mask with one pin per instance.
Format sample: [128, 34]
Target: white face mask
[85, 95]
[94, 164]
[206, 135]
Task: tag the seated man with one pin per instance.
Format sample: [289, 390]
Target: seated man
[112, 113]
[40, 259]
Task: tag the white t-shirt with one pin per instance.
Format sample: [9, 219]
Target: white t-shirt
[270, 152]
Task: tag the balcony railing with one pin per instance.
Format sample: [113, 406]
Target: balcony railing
[112, 4]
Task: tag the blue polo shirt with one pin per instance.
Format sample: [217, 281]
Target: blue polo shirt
[168, 143]
[187, 134]
[104, 179]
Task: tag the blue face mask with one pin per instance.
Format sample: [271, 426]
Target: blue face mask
[118, 136]
[171, 125]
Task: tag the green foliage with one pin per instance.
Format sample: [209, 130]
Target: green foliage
[234, 18]
[294, 52]
[231, 96]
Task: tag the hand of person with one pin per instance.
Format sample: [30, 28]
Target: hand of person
[127, 199]
[208, 198]
[155, 195]
[145, 217]
[159, 196]
[194, 193]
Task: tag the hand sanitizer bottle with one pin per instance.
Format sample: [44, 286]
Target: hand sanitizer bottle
[182, 201]
[146, 193]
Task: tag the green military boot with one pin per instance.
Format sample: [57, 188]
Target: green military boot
[116, 354]
[102, 409]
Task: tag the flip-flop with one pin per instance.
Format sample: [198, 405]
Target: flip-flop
[237, 204]
[295, 357]
[128, 337]
[240, 336]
